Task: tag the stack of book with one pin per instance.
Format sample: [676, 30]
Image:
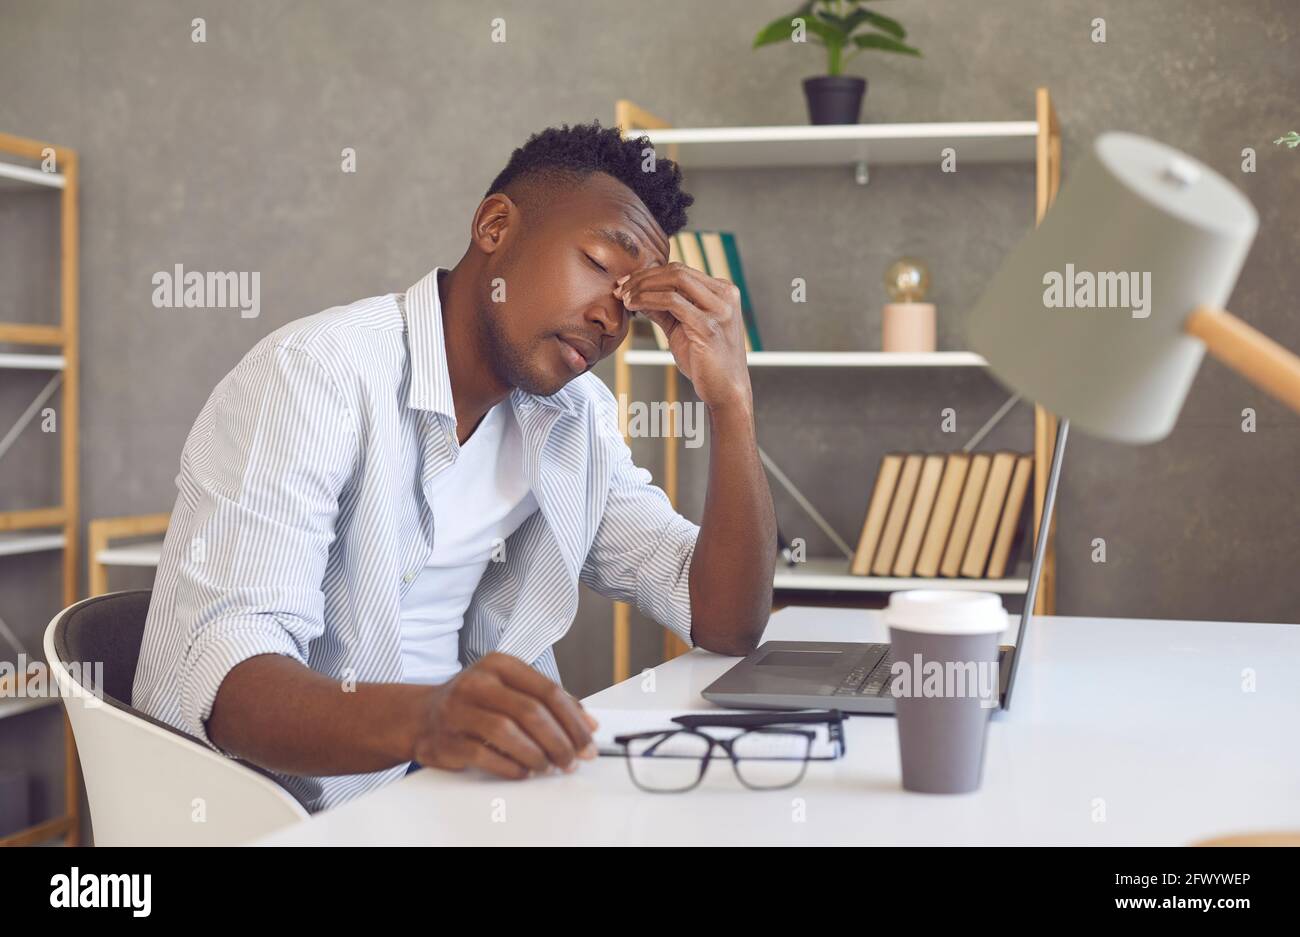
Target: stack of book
[954, 514]
[714, 253]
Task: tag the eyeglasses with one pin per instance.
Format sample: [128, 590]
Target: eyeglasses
[768, 751]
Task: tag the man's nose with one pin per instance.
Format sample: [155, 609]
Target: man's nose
[610, 315]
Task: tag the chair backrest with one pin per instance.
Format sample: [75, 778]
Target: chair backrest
[148, 782]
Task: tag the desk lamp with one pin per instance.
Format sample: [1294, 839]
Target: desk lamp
[1103, 312]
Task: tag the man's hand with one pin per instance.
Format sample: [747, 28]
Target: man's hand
[503, 716]
[735, 552]
[701, 316]
[498, 714]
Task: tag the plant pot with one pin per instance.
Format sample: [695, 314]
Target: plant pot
[834, 99]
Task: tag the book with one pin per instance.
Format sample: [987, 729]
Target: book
[746, 304]
[898, 509]
[945, 511]
[969, 504]
[886, 480]
[1011, 512]
[919, 515]
[986, 520]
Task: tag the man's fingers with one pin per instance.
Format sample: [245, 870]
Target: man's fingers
[695, 282]
[463, 751]
[673, 304]
[664, 320]
[536, 719]
[506, 736]
[709, 294]
[566, 710]
[494, 762]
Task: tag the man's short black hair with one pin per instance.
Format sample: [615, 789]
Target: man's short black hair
[560, 158]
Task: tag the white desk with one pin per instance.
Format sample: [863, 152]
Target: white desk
[1143, 721]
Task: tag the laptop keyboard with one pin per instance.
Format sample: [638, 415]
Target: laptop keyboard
[868, 680]
[873, 679]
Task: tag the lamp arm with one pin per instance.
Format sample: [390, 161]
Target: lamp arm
[1249, 352]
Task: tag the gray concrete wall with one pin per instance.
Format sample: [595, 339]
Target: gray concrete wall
[225, 156]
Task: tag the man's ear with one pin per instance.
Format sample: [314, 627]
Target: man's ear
[493, 221]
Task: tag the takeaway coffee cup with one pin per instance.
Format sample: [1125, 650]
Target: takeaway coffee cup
[945, 650]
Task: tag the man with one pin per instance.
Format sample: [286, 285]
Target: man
[385, 509]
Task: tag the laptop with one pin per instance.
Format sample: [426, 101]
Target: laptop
[855, 677]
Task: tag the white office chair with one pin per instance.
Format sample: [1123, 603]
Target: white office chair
[147, 782]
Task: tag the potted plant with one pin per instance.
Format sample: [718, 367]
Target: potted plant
[845, 28]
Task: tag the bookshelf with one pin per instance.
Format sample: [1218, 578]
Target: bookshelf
[52, 528]
[856, 146]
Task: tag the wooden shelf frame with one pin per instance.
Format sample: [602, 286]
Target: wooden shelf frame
[101, 554]
[1044, 132]
[63, 338]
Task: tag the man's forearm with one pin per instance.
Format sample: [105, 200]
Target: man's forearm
[735, 553]
[277, 713]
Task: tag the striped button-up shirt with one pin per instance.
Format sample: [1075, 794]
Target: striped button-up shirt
[302, 518]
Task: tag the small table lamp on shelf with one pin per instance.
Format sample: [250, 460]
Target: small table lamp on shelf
[907, 323]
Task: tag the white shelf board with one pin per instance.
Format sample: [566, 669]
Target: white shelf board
[135, 554]
[826, 574]
[834, 359]
[845, 145]
[13, 706]
[817, 574]
[14, 542]
[28, 362]
[12, 172]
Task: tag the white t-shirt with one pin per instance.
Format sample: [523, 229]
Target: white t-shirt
[478, 501]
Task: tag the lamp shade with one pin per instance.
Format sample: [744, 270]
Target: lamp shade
[1087, 314]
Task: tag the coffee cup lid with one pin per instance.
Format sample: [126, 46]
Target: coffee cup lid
[943, 611]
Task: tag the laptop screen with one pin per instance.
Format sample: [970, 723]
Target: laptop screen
[1040, 550]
